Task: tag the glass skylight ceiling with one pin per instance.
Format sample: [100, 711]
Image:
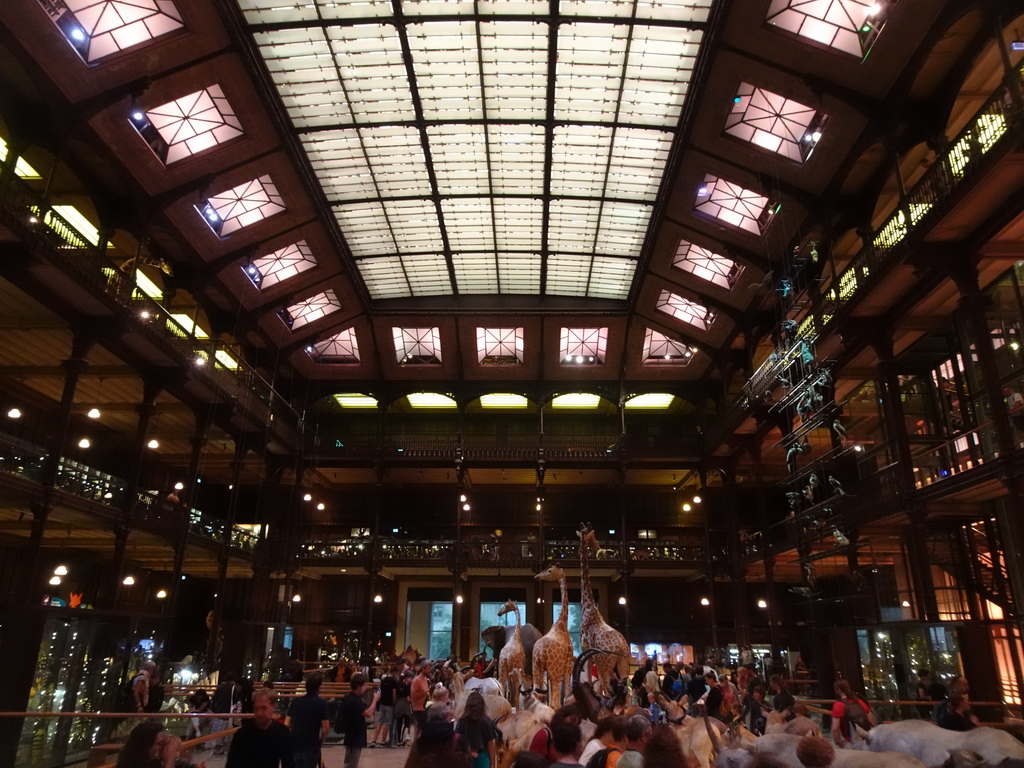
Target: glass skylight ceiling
[846, 25]
[495, 147]
[99, 28]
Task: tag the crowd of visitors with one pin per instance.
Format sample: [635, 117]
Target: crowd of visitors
[412, 706]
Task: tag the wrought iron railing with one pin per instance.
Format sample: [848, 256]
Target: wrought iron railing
[48, 235]
[992, 127]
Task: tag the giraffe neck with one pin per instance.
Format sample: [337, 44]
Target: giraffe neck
[516, 633]
[563, 618]
[586, 593]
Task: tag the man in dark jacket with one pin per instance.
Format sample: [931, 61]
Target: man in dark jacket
[261, 742]
[309, 723]
[352, 719]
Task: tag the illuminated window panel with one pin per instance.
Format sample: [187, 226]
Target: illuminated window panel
[189, 325]
[342, 348]
[688, 311]
[583, 346]
[503, 400]
[472, 86]
[280, 265]
[576, 400]
[310, 310]
[384, 277]
[21, 168]
[146, 286]
[499, 346]
[650, 401]
[733, 205]
[850, 26]
[355, 400]
[775, 123]
[100, 28]
[707, 265]
[417, 346]
[659, 349]
[76, 219]
[189, 125]
[240, 206]
[431, 400]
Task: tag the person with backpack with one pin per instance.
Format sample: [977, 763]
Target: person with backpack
[604, 749]
[226, 696]
[137, 694]
[849, 711]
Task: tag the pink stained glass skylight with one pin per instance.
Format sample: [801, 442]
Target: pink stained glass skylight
[707, 265]
[241, 206]
[732, 204]
[775, 123]
[310, 310]
[340, 348]
[499, 346]
[189, 125]
[846, 25]
[417, 346]
[583, 346]
[688, 311]
[100, 28]
[280, 265]
[659, 349]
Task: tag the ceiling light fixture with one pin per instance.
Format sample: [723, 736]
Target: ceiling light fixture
[378, 599]
[14, 413]
[622, 600]
[704, 601]
[321, 506]
[762, 603]
[55, 581]
[161, 594]
[179, 486]
[154, 443]
[84, 443]
[308, 497]
[296, 598]
[458, 599]
[60, 570]
[128, 581]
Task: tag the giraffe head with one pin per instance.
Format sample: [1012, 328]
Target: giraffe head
[551, 573]
[509, 607]
[586, 534]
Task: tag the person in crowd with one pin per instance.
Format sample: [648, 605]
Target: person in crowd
[403, 710]
[477, 732]
[753, 678]
[352, 719]
[385, 708]
[198, 702]
[419, 690]
[652, 682]
[150, 746]
[140, 687]
[261, 741]
[954, 714]
[437, 745]
[695, 691]
[309, 723]
[730, 693]
[671, 682]
[931, 691]
[567, 744]
[155, 696]
[542, 743]
[663, 749]
[714, 697]
[225, 696]
[526, 759]
[782, 699]
[756, 717]
[815, 752]
[842, 719]
[610, 735]
[638, 732]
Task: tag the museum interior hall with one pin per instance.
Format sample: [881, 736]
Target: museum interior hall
[328, 325]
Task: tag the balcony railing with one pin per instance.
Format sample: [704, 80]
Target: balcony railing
[505, 552]
[51, 237]
[993, 127]
[23, 459]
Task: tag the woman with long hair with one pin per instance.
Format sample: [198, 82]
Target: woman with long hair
[150, 746]
[477, 732]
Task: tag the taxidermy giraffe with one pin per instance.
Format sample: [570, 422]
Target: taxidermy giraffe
[513, 655]
[552, 654]
[594, 630]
